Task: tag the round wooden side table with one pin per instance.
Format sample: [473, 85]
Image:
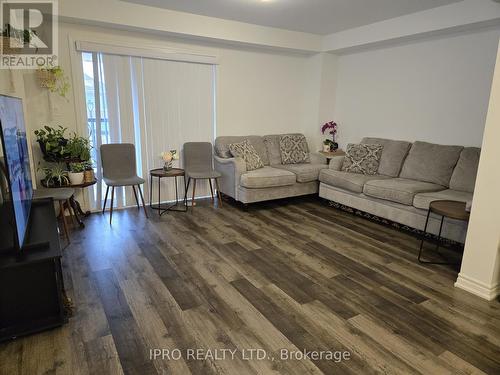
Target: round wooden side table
[444, 208]
[161, 173]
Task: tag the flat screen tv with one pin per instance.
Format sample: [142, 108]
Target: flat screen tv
[16, 191]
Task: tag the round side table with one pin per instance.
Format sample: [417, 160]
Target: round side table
[161, 173]
[444, 208]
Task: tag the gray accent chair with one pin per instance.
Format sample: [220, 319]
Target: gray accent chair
[410, 177]
[119, 169]
[274, 181]
[198, 165]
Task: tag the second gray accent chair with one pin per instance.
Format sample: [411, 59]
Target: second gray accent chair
[198, 165]
[274, 181]
[119, 169]
[410, 176]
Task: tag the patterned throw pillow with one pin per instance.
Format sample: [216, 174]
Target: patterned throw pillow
[363, 158]
[294, 149]
[247, 152]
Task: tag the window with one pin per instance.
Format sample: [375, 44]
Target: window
[155, 104]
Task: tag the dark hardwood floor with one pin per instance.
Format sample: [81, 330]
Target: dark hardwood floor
[294, 275]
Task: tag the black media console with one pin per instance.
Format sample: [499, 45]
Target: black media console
[31, 280]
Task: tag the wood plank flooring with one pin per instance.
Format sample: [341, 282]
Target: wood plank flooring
[282, 277]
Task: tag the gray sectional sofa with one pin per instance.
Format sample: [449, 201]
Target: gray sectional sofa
[410, 176]
[274, 181]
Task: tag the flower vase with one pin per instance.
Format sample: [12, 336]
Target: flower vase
[167, 166]
[326, 148]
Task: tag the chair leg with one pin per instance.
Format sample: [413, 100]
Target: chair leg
[65, 224]
[105, 199]
[142, 199]
[194, 190]
[211, 189]
[135, 195]
[111, 208]
[218, 192]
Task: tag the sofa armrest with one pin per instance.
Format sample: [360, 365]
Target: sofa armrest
[336, 163]
[317, 158]
[231, 170]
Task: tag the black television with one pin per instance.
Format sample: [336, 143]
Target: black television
[16, 189]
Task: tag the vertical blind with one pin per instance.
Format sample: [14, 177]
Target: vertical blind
[157, 105]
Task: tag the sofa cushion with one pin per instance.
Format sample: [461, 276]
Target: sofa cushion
[247, 152]
[294, 149]
[267, 177]
[423, 200]
[464, 174]
[272, 145]
[399, 190]
[221, 146]
[362, 158]
[305, 172]
[345, 180]
[431, 163]
[393, 155]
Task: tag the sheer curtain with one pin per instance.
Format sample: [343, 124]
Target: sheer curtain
[157, 105]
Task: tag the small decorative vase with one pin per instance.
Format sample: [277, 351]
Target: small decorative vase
[167, 166]
[326, 148]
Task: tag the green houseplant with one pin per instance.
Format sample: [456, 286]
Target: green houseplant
[75, 173]
[52, 142]
[54, 80]
[79, 148]
[55, 177]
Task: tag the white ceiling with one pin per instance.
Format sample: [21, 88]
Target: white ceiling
[312, 16]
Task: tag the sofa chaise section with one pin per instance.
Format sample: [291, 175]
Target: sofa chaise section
[410, 177]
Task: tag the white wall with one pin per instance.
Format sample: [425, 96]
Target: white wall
[434, 90]
[259, 91]
[480, 272]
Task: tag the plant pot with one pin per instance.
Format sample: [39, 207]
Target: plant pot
[88, 176]
[326, 148]
[46, 78]
[75, 178]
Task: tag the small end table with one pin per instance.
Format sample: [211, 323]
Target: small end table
[444, 208]
[332, 154]
[161, 173]
[75, 205]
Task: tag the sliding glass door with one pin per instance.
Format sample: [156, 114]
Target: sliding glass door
[156, 104]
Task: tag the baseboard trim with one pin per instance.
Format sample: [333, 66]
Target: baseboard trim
[480, 289]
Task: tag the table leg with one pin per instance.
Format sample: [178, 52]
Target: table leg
[151, 191]
[176, 192]
[159, 196]
[423, 235]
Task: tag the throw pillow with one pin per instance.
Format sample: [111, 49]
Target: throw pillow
[294, 149]
[362, 158]
[247, 152]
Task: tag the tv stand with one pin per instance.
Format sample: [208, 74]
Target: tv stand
[31, 279]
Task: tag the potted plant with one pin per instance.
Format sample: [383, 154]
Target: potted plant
[54, 80]
[88, 173]
[52, 143]
[76, 173]
[78, 148]
[55, 177]
[330, 144]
